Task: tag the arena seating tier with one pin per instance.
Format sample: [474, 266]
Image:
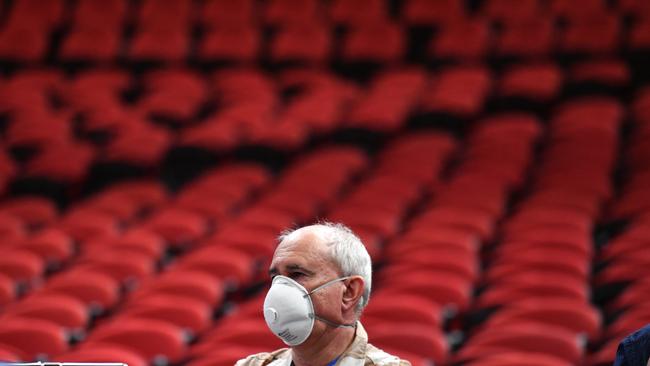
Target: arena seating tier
[493, 156]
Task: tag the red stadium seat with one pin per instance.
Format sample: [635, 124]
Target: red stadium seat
[524, 337]
[21, 265]
[237, 42]
[181, 311]
[378, 42]
[512, 358]
[91, 43]
[33, 338]
[148, 338]
[428, 12]
[102, 353]
[197, 285]
[415, 339]
[509, 11]
[93, 289]
[34, 211]
[288, 12]
[467, 40]
[357, 12]
[534, 82]
[216, 12]
[7, 289]
[65, 311]
[303, 43]
[527, 39]
[458, 91]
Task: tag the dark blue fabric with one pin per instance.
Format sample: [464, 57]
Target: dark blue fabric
[634, 350]
[333, 362]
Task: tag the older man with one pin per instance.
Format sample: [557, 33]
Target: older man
[321, 283]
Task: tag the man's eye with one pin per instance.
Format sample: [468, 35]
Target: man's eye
[294, 275]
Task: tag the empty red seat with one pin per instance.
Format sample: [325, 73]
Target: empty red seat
[123, 269]
[443, 288]
[96, 290]
[303, 43]
[91, 44]
[21, 265]
[417, 339]
[524, 337]
[67, 162]
[110, 13]
[379, 42]
[534, 82]
[387, 309]
[140, 145]
[138, 240]
[513, 358]
[466, 40]
[215, 12]
[163, 45]
[598, 36]
[12, 229]
[225, 355]
[236, 42]
[577, 317]
[33, 338]
[357, 12]
[178, 227]
[181, 311]
[33, 210]
[51, 245]
[509, 11]
[197, 285]
[458, 91]
[248, 333]
[102, 353]
[83, 225]
[23, 43]
[607, 72]
[148, 338]
[508, 293]
[527, 39]
[429, 12]
[65, 311]
[227, 264]
[7, 289]
[572, 10]
[287, 12]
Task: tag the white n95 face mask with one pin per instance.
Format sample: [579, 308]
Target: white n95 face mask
[289, 311]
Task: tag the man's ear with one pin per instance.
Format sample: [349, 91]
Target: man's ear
[353, 292]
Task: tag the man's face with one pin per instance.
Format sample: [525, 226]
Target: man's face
[305, 259]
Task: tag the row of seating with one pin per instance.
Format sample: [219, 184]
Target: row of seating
[114, 13]
[623, 259]
[95, 125]
[311, 43]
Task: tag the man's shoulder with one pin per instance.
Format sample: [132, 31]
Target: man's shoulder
[263, 358]
[379, 357]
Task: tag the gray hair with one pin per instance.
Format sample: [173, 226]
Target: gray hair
[347, 251]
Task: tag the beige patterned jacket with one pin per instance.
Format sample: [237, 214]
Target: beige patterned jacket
[360, 353]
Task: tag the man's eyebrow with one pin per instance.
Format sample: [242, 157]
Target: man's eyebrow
[296, 267]
[290, 267]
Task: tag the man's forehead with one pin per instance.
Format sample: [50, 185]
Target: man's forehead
[305, 249]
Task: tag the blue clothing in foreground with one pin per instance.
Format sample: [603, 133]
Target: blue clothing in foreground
[634, 350]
